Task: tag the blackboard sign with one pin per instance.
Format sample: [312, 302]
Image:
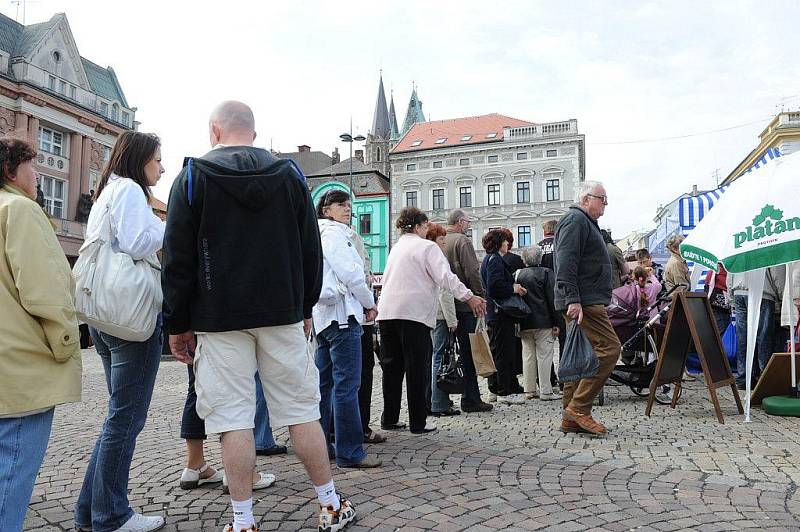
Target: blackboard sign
[691, 320]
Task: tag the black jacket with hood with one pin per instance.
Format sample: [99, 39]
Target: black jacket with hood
[242, 247]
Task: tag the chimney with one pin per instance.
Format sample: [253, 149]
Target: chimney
[335, 156]
[360, 155]
[304, 149]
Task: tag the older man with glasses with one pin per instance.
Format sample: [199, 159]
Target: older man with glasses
[583, 289]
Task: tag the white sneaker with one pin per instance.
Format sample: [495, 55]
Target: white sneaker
[266, 480]
[190, 478]
[429, 427]
[142, 523]
[513, 399]
[552, 396]
[492, 398]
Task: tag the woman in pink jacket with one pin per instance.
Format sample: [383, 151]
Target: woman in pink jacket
[414, 273]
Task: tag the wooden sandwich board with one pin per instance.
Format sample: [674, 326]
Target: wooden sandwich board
[691, 320]
[776, 379]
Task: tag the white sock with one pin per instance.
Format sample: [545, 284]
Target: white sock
[327, 495]
[242, 514]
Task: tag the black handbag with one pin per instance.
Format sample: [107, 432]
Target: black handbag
[515, 306]
[450, 377]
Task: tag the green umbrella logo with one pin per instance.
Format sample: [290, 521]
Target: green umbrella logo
[766, 223]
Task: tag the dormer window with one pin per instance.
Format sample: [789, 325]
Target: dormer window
[441, 140]
[416, 143]
[104, 108]
[52, 83]
[115, 113]
[56, 56]
[491, 135]
[465, 138]
[126, 119]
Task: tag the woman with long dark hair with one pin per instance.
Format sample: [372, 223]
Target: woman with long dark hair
[123, 195]
[40, 366]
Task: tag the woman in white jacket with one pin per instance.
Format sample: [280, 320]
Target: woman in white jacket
[130, 367]
[345, 301]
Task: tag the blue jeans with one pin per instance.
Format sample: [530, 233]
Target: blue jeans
[130, 369]
[23, 442]
[262, 430]
[338, 359]
[466, 325]
[764, 341]
[440, 401]
[194, 428]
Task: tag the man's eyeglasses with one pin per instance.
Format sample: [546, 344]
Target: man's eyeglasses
[603, 198]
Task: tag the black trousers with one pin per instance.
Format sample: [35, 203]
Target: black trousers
[367, 367]
[504, 351]
[405, 348]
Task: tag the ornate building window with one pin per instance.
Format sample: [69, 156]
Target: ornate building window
[493, 194]
[492, 158]
[365, 224]
[523, 192]
[51, 141]
[104, 109]
[465, 197]
[411, 167]
[437, 199]
[437, 164]
[552, 153]
[55, 193]
[115, 113]
[378, 154]
[411, 198]
[523, 236]
[553, 188]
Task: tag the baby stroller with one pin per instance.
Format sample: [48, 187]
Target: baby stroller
[640, 328]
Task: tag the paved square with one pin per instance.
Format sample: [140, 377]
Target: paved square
[507, 469]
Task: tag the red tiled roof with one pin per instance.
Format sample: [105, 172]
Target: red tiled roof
[476, 127]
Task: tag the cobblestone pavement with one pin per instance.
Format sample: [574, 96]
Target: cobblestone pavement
[507, 469]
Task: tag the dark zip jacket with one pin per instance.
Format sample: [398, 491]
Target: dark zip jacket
[242, 247]
[540, 284]
[583, 269]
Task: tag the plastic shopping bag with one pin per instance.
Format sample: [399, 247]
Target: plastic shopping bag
[578, 360]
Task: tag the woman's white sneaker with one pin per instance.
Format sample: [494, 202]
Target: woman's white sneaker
[191, 479]
[512, 399]
[142, 523]
[265, 480]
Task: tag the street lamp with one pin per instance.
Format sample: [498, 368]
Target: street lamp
[349, 138]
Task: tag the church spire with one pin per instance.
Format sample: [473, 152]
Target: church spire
[414, 113]
[393, 118]
[380, 122]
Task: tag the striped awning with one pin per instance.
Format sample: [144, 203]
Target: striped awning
[692, 209]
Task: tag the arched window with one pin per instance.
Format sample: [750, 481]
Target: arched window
[378, 154]
[115, 113]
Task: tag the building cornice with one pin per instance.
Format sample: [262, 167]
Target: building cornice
[484, 147]
[35, 96]
[768, 142]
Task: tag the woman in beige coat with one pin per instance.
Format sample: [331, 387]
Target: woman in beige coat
[40, 364]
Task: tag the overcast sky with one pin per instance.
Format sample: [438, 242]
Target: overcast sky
[627, 71]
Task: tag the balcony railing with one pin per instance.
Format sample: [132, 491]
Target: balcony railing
[538, 131]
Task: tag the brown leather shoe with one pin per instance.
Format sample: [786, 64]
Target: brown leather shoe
[585, 422]
[569, 426]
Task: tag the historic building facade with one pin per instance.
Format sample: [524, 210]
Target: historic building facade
[71, 109]
[370, 189]
[780, 137]
[503, 171]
